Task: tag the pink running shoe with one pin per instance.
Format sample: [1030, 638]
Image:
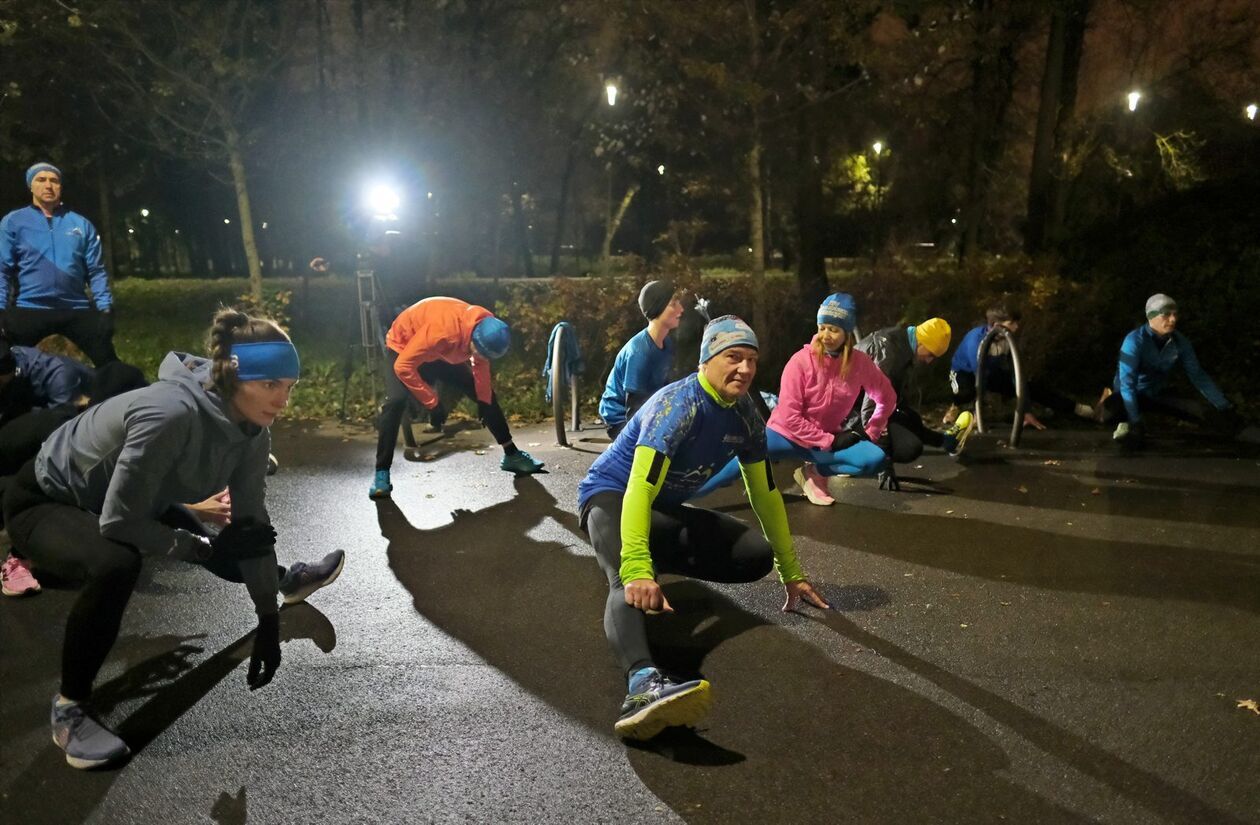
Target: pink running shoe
[813, 485]
[16, 578]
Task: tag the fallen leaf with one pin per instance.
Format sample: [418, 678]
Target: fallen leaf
[481, 452]
[1022, 488]
[908, 575]
[1249, 704]
[535, 444]
[428, 456]
[1052, 462]
[1095, 492]
[1005, 604]
[949, 512]
[962, 625]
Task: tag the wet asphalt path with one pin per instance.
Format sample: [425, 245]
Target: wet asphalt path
[1054, 634]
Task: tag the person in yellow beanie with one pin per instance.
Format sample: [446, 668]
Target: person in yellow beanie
[896, 351]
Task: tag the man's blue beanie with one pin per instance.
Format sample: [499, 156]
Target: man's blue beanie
[42, 166]
[492, 337]
[723, 333]
[839, 309]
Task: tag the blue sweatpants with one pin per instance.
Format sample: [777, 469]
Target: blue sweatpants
[862, 459]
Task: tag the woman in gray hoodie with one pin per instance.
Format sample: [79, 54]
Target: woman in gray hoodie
[106, 487]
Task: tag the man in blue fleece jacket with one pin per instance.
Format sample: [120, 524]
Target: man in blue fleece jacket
[48, 255]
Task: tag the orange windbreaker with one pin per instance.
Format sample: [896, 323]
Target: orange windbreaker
[437, 329]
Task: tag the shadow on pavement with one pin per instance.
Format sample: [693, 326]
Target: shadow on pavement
[48, 790]
[532, 610]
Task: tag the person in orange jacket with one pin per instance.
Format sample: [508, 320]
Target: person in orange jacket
[452, 341]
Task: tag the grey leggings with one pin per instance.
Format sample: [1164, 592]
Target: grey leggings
[686, 541]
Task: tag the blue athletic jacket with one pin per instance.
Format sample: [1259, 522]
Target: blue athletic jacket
[55, 379]
[1146, 359]
[967, 356]
[51, 260]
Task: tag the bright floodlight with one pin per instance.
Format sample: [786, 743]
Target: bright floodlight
[144, 213]
[878, 146]
[660, 170]
[1251, 111]
[1134, 97]
[382, 199]
[610, 88]
[227, 220]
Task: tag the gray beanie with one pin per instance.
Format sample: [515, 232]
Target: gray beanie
[1158, 304]
[655, 297]
[36, 168]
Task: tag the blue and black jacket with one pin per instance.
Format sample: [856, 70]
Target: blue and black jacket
[1147, 358]
[50, 261]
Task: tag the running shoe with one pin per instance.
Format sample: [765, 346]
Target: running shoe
[381, 488]
[302, 579]
[661, 703]
[87, 743]
[521, 463]
[813, 485]
[16, 578]
[958, 433]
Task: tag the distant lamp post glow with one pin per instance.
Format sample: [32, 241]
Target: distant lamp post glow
[144, 213]
[660, 170]
[382, 200]
[878, 147]
[1251, 111]
[227, 220]
[1133, 98]
[610, 89]
[264, 224]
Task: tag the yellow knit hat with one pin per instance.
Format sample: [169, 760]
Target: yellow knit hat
[934, 334]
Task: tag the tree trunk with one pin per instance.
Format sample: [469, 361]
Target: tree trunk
[1043, 140]
[566, 180]
[522, 234]
[811, 265]
[757, 240]
[237, 163]
[614, 223]
[1074, 47]
[106, 229]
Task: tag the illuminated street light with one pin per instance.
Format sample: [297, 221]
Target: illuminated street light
[430, 196]
[144, 213]
[878, 146]
[660, 170]
[264, 224]
[1134, 97]
[131, 231]
[227, 220]
[1251, 111]
[610, 89]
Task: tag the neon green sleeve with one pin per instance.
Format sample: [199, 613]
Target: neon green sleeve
[767, 503]
[647, 476]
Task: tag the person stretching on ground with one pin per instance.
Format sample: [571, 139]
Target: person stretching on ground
[100, 496]
[1147, 357]
[819, 387]
[644, 364]
[896, 351]
[631, 505]
[999, 371]
[452, 341]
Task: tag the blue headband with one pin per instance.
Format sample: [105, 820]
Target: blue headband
[265, 360]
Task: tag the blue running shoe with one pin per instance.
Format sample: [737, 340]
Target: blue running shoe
[660, 703]
[521, 463]
[302, 579]
[87, 743]
[381, 488]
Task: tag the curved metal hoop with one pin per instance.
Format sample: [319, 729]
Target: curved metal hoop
[557, 391]
[1017, 425]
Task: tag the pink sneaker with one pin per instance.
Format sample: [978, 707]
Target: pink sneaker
[813, 485]
[16, 578]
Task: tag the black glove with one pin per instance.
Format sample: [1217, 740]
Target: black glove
[107, 320]
[437, 417]
[266, 656]
[844, 440]
[245, 539]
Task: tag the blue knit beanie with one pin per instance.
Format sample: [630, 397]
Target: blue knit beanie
[491, 337]
[723, 333]
[839, 309]
[42, 166]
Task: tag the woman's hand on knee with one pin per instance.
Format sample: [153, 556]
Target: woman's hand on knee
[646, 595]
[802, 591]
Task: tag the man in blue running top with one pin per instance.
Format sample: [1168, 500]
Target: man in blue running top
[631, 505]
[48, 255]
[643, 365]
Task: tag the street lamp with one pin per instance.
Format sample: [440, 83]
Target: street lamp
[227, 220]
[1133, 98]
[1251, 111]
[660, 170]
[144, 213]
[878, 146]
[610, 89]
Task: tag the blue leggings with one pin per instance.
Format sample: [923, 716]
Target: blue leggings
[862, 459]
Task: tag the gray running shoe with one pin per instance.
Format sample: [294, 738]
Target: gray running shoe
[87, 743]
[662, 704]
[302, 579]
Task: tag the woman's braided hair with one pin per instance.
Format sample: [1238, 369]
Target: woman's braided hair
[231, 326]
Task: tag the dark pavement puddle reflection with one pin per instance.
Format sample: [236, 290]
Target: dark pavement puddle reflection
[1142, 787]
[229, 809]
[793, 735]
[48, 790]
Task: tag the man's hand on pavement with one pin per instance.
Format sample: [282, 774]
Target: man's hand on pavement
[802, 591]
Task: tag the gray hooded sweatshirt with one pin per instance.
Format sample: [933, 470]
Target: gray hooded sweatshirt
[132, 457]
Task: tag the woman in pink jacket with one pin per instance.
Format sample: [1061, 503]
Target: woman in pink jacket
[819, 388]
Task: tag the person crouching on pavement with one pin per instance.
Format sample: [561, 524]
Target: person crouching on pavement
[644, 363]
[820, 385]
[102, 494]
[631, 505]
[1147, 357]
[452, 341]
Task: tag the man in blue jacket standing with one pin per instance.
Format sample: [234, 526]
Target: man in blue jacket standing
[1147, 356]
[48, 255]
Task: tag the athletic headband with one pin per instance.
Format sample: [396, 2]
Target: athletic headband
[265, 361]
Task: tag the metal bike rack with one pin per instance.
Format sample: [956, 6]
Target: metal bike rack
[557, 390]
[1017, 425]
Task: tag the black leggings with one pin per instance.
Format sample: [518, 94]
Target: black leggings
[89, 330]
[686, 541]
[1002, 382]
[907, 434]
[397, 396]
[1187, 409]
[66, 541]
